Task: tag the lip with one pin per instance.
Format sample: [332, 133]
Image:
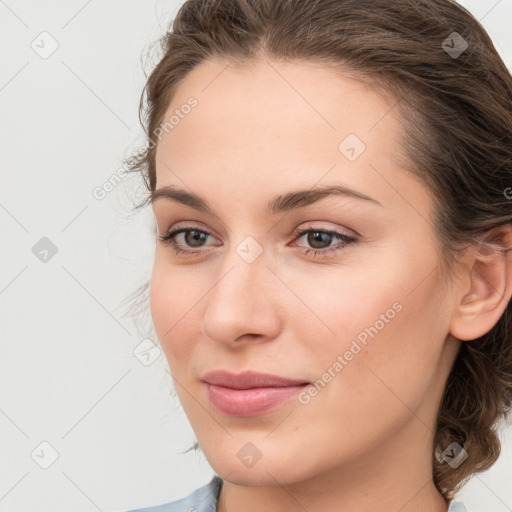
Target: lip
[249, 393]
[248, 379]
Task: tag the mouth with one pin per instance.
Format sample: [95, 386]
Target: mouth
[249, 393]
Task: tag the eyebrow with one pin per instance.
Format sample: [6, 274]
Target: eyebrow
[282, 203]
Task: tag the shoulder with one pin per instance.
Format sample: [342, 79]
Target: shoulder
[457, 506]
[203, 499]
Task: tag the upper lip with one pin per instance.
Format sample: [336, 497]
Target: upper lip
[248, 379]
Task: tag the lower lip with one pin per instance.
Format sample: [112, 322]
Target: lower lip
[249, 402]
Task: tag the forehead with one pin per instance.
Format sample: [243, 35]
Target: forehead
[265, 100]
[277, 123]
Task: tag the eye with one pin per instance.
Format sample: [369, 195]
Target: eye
[193, 236]
[317, 238]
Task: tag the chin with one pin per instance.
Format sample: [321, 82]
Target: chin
[269, 470]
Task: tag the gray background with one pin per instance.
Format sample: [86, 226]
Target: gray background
[69, 375]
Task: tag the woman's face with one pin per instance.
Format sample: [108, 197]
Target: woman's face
[365, 322]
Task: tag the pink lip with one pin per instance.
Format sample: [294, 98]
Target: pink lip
[249, 393]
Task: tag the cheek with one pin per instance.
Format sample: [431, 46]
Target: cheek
[172, 298]
[335, 305]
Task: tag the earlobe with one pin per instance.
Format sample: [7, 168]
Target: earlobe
[490, 286]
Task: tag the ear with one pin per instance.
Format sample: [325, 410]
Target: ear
[489, 275]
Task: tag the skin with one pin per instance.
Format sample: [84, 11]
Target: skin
[365, 441]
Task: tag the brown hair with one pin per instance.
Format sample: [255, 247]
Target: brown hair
[456, 113]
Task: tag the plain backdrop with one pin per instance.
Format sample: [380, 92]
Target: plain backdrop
[87, 425]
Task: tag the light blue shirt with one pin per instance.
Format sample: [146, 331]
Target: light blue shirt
[204, 499]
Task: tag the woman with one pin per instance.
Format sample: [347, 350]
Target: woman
[332, 277]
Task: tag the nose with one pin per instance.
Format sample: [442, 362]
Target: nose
[244, 303]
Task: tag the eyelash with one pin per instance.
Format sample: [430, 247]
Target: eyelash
[345, 240]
